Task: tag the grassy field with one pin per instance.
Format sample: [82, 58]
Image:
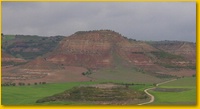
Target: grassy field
[177, 98]
[124, 75]
[28, 95]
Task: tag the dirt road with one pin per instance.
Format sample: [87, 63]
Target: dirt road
[151, 96]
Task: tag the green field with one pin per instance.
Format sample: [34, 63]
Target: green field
[177, 98]
[28, 95]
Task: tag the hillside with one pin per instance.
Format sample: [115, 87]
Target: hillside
[8, 59]
[28, 47]
[40, 63]
[185, 49]
[97, 49]
[106, 48]
[105, 54]
[88, 49]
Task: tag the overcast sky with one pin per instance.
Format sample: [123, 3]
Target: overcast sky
[137, 20]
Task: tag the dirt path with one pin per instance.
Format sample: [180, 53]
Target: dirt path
[151, 96]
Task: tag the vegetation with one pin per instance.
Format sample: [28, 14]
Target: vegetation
[128, 75]
[29, 46]
[88, 72]
[4, 63]
[29, 94]
[88, 93]
[8, 37]
[179, 92]
[165, 55]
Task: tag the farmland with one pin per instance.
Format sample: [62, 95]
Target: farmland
[28, 95]
[179, 92]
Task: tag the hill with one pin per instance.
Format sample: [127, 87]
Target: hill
[106, 48]
[96, 49]
[103, 55]
[28, 47]
[185, 49]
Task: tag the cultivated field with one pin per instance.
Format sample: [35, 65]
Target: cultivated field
[28, 95]
[178, 92]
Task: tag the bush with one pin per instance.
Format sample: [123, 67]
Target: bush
[43, 82]
[89, 72]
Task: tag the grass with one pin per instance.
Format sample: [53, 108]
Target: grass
[94, 94]
[177, 98]
[121, 74]
[27, 95]
[162, 54]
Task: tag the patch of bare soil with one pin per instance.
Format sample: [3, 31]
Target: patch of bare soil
[31, 76]
[183, 72]
[171, 89]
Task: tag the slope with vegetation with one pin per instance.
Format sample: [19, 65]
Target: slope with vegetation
[28, 46]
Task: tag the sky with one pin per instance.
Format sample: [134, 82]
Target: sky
[147, 21]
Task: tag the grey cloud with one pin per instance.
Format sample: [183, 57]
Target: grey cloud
[139, 20]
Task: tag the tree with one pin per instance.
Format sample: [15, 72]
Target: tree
[14, 84]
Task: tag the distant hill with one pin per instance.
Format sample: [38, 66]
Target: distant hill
[29, 46]
[185, 49]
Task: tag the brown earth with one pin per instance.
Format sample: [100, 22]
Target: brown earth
[9, 58]
[183, 72]
[67, 74]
